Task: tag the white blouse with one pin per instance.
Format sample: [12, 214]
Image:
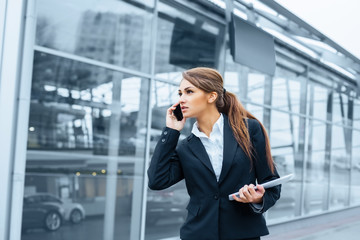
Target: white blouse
[214, 144]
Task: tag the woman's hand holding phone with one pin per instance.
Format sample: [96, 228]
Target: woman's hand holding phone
[172, 121]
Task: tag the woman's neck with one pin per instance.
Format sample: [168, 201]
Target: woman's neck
[206, 121]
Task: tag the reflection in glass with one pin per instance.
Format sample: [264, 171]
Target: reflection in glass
[356, 112]
[283, 140]
[316, 101]
[340, 108]
[236, 78]
[166, 209]
[317, 170]
[86, 144]
[257, 111]
[355, 175]
[286, 94]
[340, 168]
[185, 40]
[256, 88]
[110, 31]
[88, 125]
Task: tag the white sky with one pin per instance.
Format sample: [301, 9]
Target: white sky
[339, 20]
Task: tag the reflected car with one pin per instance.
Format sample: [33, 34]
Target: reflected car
[169, 203]
[73, 212]
[37, 214]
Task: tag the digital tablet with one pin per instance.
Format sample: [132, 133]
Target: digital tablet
[269, 184]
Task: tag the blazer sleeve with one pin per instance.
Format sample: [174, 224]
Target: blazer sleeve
[165, 169]
[262, 169]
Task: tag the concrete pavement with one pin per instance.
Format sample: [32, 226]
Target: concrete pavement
[335, 226]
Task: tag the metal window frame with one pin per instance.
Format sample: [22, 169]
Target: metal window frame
[14, 102]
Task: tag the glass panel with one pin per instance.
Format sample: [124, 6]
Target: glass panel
[355, 176]
[256, 88]
[257, 111]
[286, 94]
[236, 78]
[86, 146]
[340, 169]
[317, 170]
[283, 140]
[249, 86]
[166, 209]
[340, 108]
[317, 101]
[185, 40]
[356, 120]
[110, 31]
[231, 82]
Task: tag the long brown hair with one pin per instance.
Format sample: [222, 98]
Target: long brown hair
[210, 80]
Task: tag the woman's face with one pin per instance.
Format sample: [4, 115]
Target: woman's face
[193, 101]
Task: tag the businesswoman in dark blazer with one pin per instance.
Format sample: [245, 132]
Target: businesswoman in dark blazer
[228, 151]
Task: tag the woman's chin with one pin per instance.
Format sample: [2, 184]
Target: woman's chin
[186, 115]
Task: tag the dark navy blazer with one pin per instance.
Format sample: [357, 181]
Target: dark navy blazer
[210, 213]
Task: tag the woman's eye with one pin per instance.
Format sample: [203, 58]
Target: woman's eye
[187, 92]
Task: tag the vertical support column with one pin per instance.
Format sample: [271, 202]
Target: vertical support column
[310, 126]
[3, 5]
[328, 134]
[268, 84]
[267, 101]
[228, 10]
[288, 96]
[300, 163]
[138, 196]
[348, 143]
[11, 40]
[22, 122]
[112, 164]
[139, 170]
[309, 161]
[154, 27]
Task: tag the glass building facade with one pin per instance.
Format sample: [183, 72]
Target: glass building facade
[95, 80]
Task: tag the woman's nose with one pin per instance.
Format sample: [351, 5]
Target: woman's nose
[182, 99]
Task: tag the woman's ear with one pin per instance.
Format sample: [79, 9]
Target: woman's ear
[212, 97]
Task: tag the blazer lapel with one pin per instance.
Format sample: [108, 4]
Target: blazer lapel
[230, 145]
[199, 151]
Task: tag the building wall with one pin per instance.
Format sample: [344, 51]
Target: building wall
[101, 76]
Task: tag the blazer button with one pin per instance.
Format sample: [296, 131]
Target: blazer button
[165, 133]
[163, 140]
[216, 197]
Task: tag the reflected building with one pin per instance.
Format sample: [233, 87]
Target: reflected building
[90, 99]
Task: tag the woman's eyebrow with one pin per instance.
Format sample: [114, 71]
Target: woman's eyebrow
[185, 89]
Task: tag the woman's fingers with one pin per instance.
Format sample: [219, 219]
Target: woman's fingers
[260, 189]
[241, 197]
[236, 198]
[252, 189]
[171, 109]
[171, 120]
[248, 194]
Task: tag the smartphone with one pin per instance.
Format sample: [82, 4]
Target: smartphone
[178, 113]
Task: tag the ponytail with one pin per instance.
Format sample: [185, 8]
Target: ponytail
[236, 112]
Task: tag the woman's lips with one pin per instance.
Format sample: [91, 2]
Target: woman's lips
[183, 108]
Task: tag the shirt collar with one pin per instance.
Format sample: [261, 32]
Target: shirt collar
[218, 126]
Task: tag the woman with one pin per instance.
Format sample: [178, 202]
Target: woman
[228, 151]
